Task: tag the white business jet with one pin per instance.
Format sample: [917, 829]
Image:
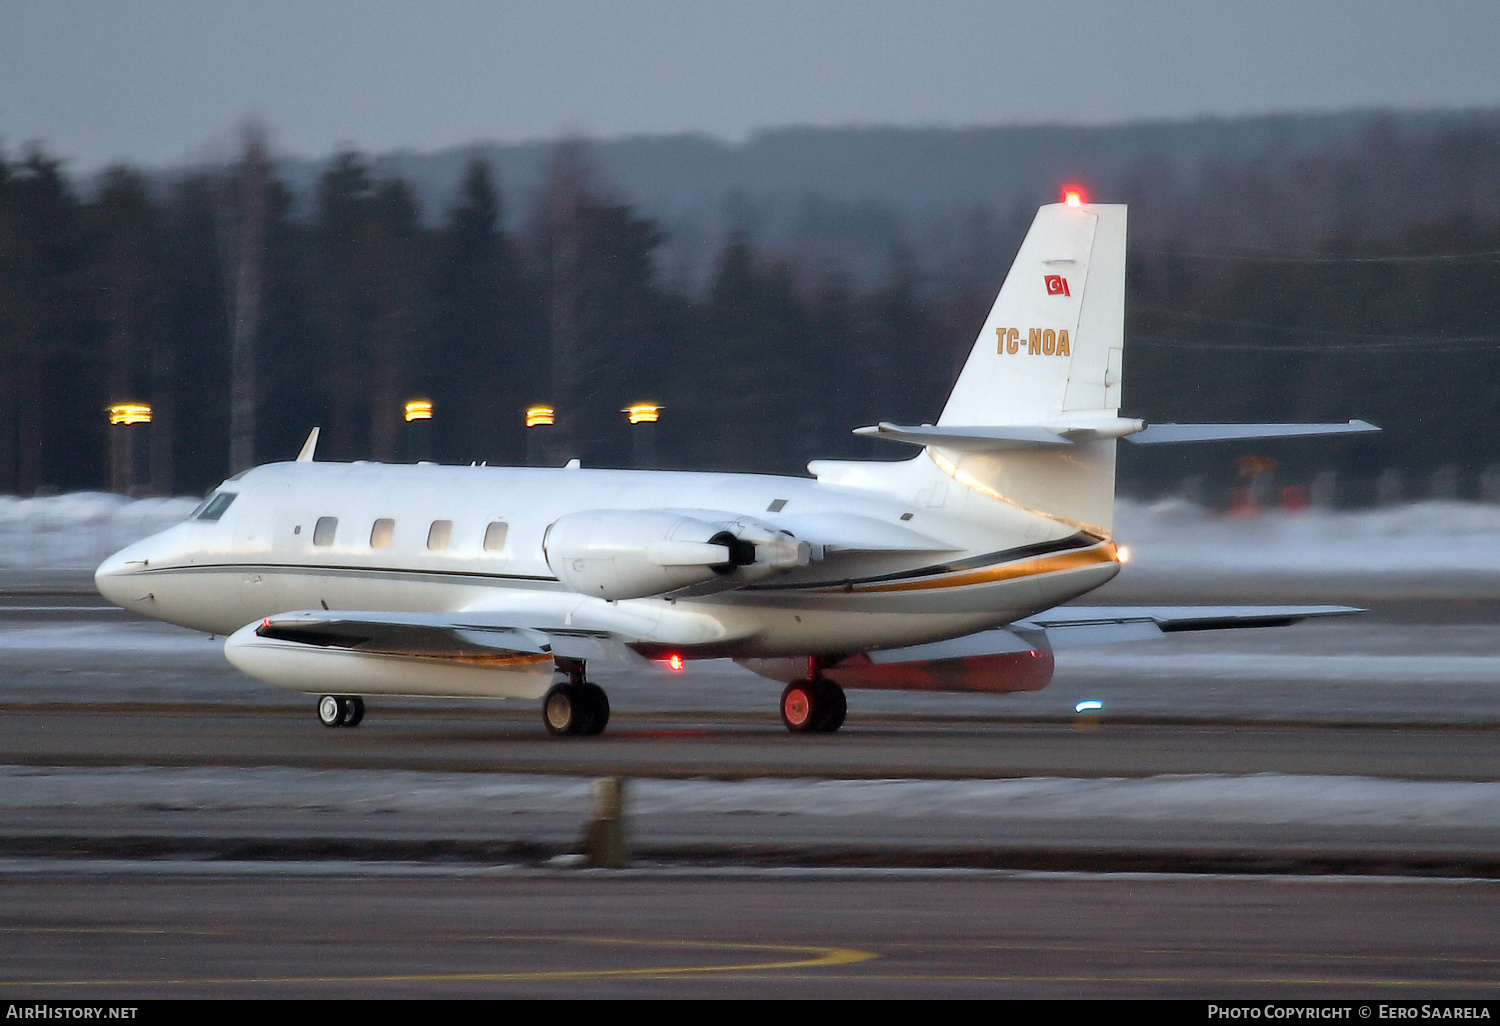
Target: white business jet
[942, 572]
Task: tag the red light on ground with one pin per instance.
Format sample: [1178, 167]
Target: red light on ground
[1073, 197]
[674, 661]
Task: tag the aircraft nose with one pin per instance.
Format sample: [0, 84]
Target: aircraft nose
[117, 577]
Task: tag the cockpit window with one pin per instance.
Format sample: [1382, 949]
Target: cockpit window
[214, 508]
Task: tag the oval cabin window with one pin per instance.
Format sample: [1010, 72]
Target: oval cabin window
[438, 535]
[494, 536]
[381, 534]
[326, 528]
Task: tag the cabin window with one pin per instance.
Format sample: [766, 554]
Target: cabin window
[494, 536]
[214, 508]
[324, 530]
[438, 535]
[381, 533]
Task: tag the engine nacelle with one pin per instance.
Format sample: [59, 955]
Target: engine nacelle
[620, 554]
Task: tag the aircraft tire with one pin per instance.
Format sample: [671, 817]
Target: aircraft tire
[332, 710]
[564, 710]
[832, 707]
[597, 703]
[800, 707]
[354, 711]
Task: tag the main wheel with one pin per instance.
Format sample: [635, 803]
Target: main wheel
[800, 707]
[564, 710]
[598, 709]
[331, 710]
[832, 707]
[354, 711]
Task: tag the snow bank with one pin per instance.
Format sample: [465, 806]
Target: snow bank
[1210, 798]
[76, 532]
[1177, 538]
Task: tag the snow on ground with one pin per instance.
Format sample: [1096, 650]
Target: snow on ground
[1261, 798]
[1176, 538]
[78, 531]
[114, 638]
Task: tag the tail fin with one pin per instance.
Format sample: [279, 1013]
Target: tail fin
[1053, 341]
[1051, 352]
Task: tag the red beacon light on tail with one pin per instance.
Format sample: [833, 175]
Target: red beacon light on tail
[1073, 197]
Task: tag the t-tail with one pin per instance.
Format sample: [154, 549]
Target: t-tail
[1034, 417]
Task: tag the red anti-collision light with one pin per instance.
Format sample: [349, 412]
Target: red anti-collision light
[674, 661]
[1073, 197]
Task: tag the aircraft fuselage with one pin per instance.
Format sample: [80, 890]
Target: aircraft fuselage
[937, 559]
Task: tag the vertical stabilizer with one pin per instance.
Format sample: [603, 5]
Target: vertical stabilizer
[1051, 353]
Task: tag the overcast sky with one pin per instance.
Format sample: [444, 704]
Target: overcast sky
[157, 82]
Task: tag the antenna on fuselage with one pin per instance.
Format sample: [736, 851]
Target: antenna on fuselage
[309, 447]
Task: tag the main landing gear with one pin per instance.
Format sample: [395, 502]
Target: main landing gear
[815, 706]
[577, 706]
[341, 710]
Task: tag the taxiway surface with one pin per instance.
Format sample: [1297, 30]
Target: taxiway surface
[362, 931]
[171, 828]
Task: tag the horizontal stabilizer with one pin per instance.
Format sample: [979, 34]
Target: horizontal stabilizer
[1070, 626]
[1008, 437]
[1158, 434]
[1013, 437]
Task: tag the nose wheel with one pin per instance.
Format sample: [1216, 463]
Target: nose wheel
[813, 707]
[341, 710]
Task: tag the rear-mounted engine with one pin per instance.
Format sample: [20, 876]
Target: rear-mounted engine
[620, 554]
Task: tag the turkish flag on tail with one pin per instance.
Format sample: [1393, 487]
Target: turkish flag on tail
[1057, 285]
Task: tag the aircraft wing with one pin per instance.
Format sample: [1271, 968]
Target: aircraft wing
[1069, 626]
[446, 635]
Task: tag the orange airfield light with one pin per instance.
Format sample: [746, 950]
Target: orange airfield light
[642, 413]
[130, 413]
[540, 416]
[418, 409]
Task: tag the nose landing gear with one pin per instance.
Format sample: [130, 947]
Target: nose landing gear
[341, 710]
[577, 706]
